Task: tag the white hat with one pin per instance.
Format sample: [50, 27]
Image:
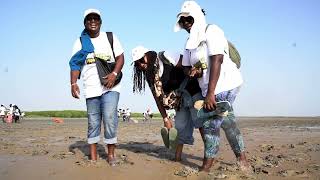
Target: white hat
[138, 52]
[91, 11]
[187, 9]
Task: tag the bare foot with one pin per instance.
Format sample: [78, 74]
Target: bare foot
[244, 166]
[112, 161]
[207, 164]
[243, 163]
[177, 159]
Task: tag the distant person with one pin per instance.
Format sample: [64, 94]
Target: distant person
[150, 113]
[124, 114]
[101, 100]
[11, 108]
[16, 113]
[164, 74]
[119, 113]
[128, 114]
[3, 111]
[146, 116]
[10, 113]
[207, 54]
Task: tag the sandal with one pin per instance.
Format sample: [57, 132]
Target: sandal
[165, 136]
[173, 138]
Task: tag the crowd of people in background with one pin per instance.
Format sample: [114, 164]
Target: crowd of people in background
[147, 115]
[12, 114]
[125, 115]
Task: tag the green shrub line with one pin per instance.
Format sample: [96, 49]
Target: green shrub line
[73, 114]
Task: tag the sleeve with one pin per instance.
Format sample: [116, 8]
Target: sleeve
[118, 50]
[186, 58]
[216, 40]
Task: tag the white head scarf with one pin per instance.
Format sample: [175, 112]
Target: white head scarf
[197, 32]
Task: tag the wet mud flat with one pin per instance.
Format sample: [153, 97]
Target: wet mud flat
[277, 148]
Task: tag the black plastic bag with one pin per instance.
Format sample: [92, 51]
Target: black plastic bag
[104, 68]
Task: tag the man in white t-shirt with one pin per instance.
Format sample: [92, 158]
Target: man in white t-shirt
[101, 97]
[207, 55]
[128, 114]
[3, 110]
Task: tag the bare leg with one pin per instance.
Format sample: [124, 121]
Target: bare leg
[202, 133]
[93, 151]
[178, 152]
[111, 148]
[202, 136]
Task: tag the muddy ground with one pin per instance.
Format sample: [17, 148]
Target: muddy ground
[277, 148]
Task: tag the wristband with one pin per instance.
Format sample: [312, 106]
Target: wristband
[114, 73]
[73, 84]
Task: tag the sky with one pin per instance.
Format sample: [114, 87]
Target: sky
[278, 42]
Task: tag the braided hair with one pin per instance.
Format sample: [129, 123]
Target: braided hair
[140, 77]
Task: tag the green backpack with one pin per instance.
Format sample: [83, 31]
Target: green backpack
[233, 53]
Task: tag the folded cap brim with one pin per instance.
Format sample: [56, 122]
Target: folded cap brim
[177, 27]
[137, 53]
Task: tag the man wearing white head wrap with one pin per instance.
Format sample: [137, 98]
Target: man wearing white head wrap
[206, 55]
[197, 32]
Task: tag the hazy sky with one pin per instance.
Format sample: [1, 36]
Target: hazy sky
[278, 42]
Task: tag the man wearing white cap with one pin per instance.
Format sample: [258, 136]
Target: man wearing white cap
[102, 97]
[164, 74]
[207, 55]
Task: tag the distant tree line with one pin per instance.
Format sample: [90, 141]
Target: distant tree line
[72, 114]
[62, 114]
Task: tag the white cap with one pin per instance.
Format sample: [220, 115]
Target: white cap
[91, 11]
[138, 52]
[187, 9]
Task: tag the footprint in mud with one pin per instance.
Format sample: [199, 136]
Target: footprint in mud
[62, 155]
[39, 152]
[186, 171]
[89, 163]
[121, 160]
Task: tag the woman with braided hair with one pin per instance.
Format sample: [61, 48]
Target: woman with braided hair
[171, 89]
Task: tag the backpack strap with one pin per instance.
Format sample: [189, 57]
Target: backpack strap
[207, 27]
[206, 31]
[110, 39]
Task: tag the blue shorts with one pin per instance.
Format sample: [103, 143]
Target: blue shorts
[186, 120]
[103, 109]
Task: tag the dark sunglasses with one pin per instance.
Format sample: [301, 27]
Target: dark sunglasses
[90, 18]
[183, 19]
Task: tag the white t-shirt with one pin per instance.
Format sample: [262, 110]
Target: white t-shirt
[230, 76]
[89, 73]
[128, 112]
[16, 112]
[2, 111]
[10, 110]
